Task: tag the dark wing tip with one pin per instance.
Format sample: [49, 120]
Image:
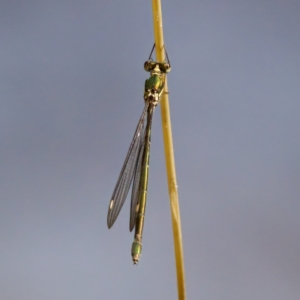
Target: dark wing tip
[131, 225]
[110, 219]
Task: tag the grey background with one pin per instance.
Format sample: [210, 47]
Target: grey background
[71, 87]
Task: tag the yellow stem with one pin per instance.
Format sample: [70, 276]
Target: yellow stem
[169, 154]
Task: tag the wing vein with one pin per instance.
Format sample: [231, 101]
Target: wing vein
[127, 172]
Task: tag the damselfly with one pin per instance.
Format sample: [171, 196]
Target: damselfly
[136, 165]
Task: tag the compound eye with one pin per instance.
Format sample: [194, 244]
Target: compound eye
[165, 67]
[168, 68]
[149, 65]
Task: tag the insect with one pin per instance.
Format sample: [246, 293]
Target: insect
[135, 169]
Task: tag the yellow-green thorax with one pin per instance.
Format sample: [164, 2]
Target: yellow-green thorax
[154, 85]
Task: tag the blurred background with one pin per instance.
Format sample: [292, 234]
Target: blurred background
[71, 93]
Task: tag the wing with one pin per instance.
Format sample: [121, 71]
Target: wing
[127, 172]
[136, 183]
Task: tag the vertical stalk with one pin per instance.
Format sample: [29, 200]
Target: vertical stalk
[169, 154]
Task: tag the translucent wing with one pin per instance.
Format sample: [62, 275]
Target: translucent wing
[127, 172]
[135, 187]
